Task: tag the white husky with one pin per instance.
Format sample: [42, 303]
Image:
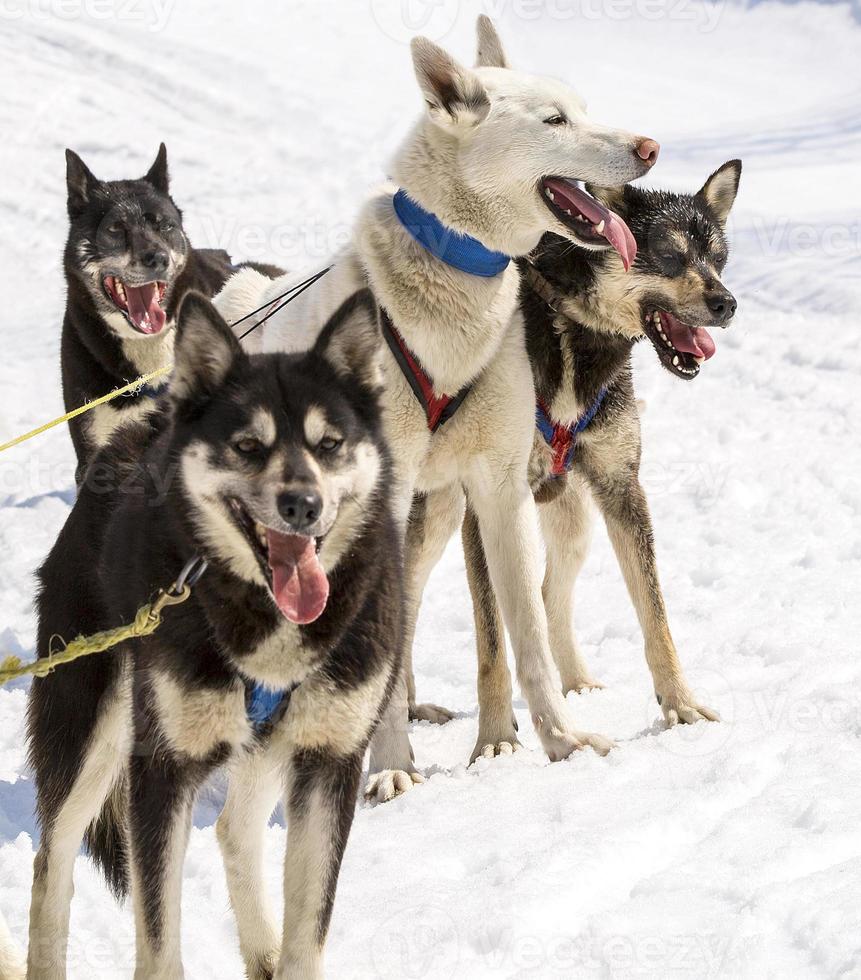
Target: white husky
[498, 156]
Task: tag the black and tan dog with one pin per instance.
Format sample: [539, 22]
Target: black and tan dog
[272, 468]
[128, 265]
[582, 317]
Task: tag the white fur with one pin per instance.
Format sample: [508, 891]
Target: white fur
[11, 958]
[479, 172]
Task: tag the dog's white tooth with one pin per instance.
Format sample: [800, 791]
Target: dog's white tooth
[568, 212]
[550, 194]
[698, 359]
[600, 227]
[676, 361]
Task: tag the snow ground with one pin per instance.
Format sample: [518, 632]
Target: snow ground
[727, 850]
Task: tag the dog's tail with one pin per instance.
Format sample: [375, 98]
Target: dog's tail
[107, 841]
[12, 965]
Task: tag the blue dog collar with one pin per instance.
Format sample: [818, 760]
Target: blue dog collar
[461, 251]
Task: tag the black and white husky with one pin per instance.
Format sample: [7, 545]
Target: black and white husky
[128, 266]
[272, 468]
[583, 314]
[495, 162]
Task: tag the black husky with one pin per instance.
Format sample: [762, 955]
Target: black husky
[128, 265]
[273, 469]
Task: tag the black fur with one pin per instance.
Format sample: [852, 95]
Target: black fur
[115, 226]
[599, 352]
[134, 526]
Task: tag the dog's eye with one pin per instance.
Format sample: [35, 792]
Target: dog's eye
[329, 444]
[557, 120]
[115, 228]
[249, 446]
[168, 226]
[671, 262]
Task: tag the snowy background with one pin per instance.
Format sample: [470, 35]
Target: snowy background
[726, 850]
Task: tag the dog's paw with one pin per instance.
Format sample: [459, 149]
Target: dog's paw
[388, 783]
[430, 712]
[580, 684]
[560, 744]
[680, 708]
[490, 748]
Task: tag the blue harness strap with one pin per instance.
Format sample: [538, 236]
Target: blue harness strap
[562, 439]
[460, 251]
[263, 706]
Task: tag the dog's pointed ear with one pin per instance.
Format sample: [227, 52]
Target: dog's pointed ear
[720, 189]
[455, 97]
[352, 341]
[80, 183]
[206, 350]
[157, 174]
[612, 197]
[490, 54]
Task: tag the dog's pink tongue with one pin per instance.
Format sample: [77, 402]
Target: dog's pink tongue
[298, 580]
[691, 340]
[568, 195]
[144, 309]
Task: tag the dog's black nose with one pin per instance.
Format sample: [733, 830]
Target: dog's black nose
[300, 508]
[155, 259]
[722, 304]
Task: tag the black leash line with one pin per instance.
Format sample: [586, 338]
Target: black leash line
[291, 294]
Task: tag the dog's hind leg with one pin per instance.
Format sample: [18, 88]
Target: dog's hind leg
[256, 781]
[497, 728]
[566, 522]
[65, 819]
[434, 519]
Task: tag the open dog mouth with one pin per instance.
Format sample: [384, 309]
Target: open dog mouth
[142, 305]
[681, 348]
[291, 565]
[590, 221]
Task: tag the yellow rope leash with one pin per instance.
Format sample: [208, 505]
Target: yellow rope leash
[86, 408]
[146, 621]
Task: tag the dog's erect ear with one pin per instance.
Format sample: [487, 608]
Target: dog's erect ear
[205, 351]
[157, 174]
[491, 54]
[720, 189]
[80, 182]
[352, 342]
[455, 97]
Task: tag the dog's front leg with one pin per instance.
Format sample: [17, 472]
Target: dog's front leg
[629, 525]
[567, 525]
[497, 727]
[255, 784]
[392, 764]
[508, 521]
[320, 803]
[162, 791]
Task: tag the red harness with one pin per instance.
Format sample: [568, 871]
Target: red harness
[562, 439]
[438, 409]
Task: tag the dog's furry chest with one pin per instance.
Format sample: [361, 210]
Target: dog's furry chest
[281, 660]
[103, 420]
